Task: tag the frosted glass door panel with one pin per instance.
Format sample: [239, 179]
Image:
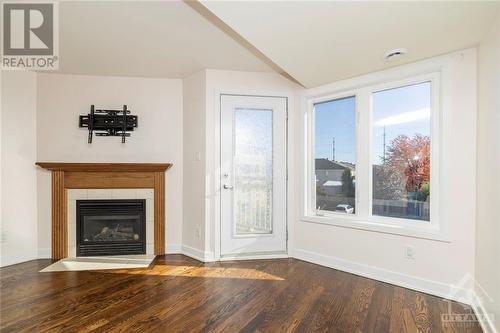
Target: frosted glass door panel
[253, 171]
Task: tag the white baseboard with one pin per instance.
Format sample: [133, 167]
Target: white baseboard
[486, 320]
[17, 259]
[173, 249]
[419, 284]
[198, 254]
[255, 256]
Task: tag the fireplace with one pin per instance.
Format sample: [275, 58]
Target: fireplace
[110, 227]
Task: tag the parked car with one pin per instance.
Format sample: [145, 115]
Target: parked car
[348, 209]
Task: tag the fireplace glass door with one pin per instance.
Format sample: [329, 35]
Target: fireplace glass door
[110, 227]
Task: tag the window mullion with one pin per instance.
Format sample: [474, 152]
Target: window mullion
[363, 176]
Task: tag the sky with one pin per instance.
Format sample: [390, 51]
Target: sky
[403, 110]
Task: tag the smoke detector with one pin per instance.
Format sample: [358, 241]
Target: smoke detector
[395, 54]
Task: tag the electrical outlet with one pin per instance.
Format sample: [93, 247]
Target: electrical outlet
[409, 252]
[198, 232]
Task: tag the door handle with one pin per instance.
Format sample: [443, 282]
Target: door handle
[227, 187]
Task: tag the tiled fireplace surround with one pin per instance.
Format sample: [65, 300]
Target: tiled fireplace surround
[96, 194]
[73, 181]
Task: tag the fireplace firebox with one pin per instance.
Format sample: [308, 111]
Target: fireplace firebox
[110, 227]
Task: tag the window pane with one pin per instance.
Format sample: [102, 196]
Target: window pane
[253, 171]
[335, 155]
[401, 152]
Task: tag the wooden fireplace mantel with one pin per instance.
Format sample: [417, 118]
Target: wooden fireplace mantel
[104, 175]
[109, 167]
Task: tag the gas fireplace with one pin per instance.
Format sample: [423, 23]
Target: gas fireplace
[110, 227]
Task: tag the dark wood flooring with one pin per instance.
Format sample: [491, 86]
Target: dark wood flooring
[180, 294]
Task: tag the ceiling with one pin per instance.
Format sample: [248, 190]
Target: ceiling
[318, 42]
[312, 42]
[145, 38]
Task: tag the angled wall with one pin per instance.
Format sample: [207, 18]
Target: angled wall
[193, 227]
[488, 174]
[158, 137]
[18, 225]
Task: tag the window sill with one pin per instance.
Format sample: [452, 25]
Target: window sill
[354, 222]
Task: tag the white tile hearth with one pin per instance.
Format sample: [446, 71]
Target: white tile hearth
[84, 194]
[98, 263]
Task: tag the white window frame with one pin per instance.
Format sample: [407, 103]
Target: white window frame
[312, 200]
[363, 218]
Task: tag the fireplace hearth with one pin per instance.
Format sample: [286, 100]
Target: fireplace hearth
[110, 227]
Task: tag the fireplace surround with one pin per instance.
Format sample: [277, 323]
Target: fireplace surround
[104, 176]
[110, 227]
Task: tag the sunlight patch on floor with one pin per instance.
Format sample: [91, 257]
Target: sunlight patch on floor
[204, 272]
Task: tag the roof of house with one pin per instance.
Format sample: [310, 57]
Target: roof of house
[333, 183]
[326, 164]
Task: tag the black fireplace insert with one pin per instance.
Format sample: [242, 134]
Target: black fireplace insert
[110, 227]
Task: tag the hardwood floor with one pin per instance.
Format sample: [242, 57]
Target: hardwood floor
[180, 294]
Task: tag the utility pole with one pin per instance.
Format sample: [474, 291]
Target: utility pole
[384, 145]
[333, 149]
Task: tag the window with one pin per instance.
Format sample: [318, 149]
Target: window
[335, 155]
[370, 157]
[401, 147]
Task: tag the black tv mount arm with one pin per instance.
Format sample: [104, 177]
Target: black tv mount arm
[109, 122]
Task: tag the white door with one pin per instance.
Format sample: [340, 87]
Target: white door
[253, 175]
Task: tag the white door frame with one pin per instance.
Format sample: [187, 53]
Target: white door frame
[217, 179]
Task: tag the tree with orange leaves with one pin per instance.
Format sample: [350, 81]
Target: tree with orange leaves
[410, 157]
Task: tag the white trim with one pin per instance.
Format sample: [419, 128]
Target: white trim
[487, 325]
[290, 209]
[255, 256]
[275, 241]
[348, 221]
[406, 281]
[436, 70]
[197, 254]
[435, 133]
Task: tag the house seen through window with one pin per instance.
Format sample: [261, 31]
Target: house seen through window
[335, 155]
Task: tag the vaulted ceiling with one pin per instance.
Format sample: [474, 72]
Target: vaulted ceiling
[312, 42]
[318, 42]
[145, 38]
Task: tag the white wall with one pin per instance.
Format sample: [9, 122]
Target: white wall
[245, 83]
[437, 264]
[18, 172]
[193, 228]
[488, 177]
[158, 138]
[201, 119]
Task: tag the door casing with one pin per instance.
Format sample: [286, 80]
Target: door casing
[217, 179]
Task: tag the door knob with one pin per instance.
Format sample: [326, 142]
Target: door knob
[227, 187]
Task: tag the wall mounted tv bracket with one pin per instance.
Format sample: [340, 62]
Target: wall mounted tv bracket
[109, 122]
